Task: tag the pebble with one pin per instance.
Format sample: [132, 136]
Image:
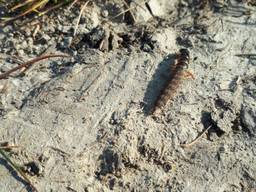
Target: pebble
[155, 8]
[104, 13]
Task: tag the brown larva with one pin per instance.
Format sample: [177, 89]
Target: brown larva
[182, 61]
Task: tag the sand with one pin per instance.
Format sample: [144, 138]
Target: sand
[83, 121]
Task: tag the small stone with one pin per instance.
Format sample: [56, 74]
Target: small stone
[155, 8]
[146, 47]
[7, 29]
[92, 19]
[46, 37]
[64, 29]
[104, 13]
[21, 52]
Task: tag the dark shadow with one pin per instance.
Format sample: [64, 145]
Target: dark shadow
[60, 67]
[3, 11]
[110, 163]
[13, 172]
[207, 121]
[32, 94]
[159, 81]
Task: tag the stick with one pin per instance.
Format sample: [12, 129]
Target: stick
[196, 139]
[28, 63]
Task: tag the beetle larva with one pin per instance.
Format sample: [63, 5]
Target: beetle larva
[167, 94]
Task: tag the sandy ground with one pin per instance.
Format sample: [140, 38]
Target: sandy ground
[82, 123]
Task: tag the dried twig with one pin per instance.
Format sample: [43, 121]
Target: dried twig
[195, 140]
[28, 63]
[246, 55]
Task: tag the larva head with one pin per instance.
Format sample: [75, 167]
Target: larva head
[184, 53]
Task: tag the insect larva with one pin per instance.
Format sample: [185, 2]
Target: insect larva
[168, 93]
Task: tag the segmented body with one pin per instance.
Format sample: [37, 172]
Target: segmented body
[168, 93]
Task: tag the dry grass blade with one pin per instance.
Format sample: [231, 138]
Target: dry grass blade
[29, 6]
[21, 5]
[31, 9]
[51, 8]
[79, 17]
[26, 64]
[72, 4]
[195, 140]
